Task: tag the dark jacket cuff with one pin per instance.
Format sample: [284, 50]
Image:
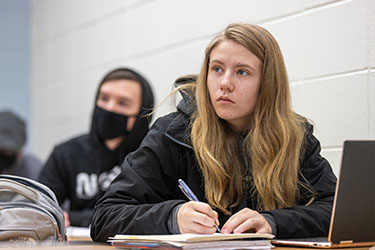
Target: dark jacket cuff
[172, 223]
[271, 221]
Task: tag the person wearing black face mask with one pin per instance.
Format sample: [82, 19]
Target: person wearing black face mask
[80, 170]
[7, 159]
[13, 161]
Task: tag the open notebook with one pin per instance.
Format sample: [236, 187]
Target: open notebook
[353, 213]
[193, 241]
[191, 237]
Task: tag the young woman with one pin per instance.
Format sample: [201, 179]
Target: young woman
[252, 162]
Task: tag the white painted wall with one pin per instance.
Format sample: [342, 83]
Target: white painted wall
[329, 49]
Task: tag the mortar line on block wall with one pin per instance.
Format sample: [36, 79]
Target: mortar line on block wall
[302, 12]
[328, 77]
[327, 5]
[331, 148]
[85, 25]
[165, 48]
[136, 56]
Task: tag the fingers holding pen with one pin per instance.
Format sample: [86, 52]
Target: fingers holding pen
[197, 217]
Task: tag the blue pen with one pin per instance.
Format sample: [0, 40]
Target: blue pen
[190, 195]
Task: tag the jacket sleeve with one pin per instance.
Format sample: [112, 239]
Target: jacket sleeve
[142, 196]
[54, 176]
[302, 221]
[81, 218]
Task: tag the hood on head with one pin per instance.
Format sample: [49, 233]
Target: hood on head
[140, 128]
[187, 105]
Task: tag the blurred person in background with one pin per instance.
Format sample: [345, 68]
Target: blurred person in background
[13, 159]
[81, 169]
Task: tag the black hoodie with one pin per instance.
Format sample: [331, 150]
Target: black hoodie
[81, 169]
[142, 197]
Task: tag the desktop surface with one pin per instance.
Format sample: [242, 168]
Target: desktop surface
[102, 246]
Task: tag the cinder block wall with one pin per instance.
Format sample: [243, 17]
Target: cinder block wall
[328, 46]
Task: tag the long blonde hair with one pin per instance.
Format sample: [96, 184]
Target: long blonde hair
[273, 144]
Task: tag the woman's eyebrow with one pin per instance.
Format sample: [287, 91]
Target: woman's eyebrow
[216, 61]
[239, 65]
[244, 65]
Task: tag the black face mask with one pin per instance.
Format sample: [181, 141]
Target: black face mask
[6, 161]
[109, 125]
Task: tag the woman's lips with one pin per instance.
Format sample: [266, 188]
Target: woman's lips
[224, 100]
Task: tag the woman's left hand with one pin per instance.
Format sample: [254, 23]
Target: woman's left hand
[246, 221]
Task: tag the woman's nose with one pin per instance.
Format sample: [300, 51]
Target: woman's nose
[226, 82]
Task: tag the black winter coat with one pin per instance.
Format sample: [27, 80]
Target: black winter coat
[141, 198]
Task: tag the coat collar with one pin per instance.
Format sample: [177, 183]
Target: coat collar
[179, 129]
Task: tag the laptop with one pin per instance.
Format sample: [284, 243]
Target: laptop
[353, 214]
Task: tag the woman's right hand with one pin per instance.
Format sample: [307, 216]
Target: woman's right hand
[197, 217]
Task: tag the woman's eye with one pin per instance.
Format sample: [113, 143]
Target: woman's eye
[242, 73]
[217, 69]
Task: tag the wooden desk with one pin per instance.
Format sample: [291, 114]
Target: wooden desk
[97, 246]
[71, 246]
